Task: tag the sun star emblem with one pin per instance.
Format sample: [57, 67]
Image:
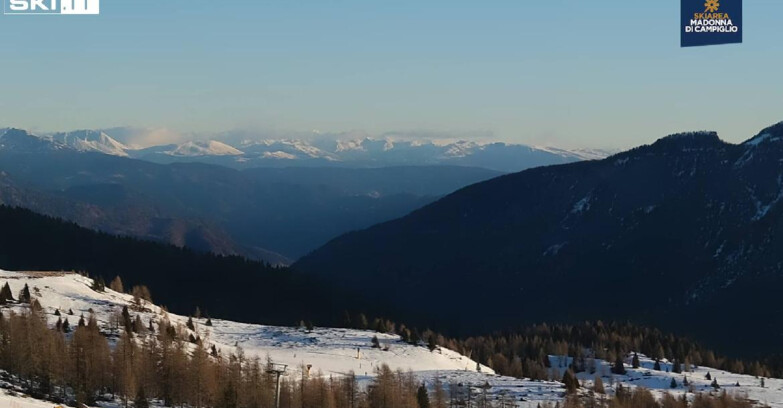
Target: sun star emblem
[711, 6]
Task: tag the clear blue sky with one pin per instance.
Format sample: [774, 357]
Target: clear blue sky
[606, 73]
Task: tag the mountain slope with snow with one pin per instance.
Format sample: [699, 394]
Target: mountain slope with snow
[694, 213]
[91, 141]
[208, 148]
[334, 352]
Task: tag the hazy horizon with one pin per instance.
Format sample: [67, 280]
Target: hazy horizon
[564, 73]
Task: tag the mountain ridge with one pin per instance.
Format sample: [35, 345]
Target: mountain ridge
[689, 211]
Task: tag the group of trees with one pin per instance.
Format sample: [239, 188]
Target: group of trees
[135, 361]
[156, 361]
[643, 398]
[524, 352]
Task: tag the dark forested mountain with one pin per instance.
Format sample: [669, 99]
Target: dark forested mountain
[229, 287]
[271, 214]
[688, 229]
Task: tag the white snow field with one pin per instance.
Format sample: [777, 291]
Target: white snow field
[334, 352]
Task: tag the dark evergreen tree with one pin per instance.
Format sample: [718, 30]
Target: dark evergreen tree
[618, 367]
[141, 399]
[676, 366]
[126, 320]
[5, 293]
[635, 362]
[422, 397]
[570, 382]
[673, 384]
[190, 324]
[415, 336]
[432, 343]
[362, 322]
[657, 365]
[209, 322]
[138, 326]
[715, 384]
[708, 376]
[98, 284]
[24, 294]
[375, 342]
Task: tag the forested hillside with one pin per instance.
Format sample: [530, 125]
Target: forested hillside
[182, 279]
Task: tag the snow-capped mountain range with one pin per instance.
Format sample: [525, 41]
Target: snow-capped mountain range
[347, 150]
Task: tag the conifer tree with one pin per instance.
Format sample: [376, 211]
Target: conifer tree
[362, 322]
[715, 384]
[657, 365]
[676, 366]
[141, 399]
[126, 320]
[422, 397]
[116, 285]
[375, 342]
[431, 343]
[98, 284]
[438, 393]
[570, 382]
[618, 367]
[24, 294]
[635, 362]
[415, 336]
[190, 324]
[598, 385]
[209, 322]
[673, 383]
[5, 293]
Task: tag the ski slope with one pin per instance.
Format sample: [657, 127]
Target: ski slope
[333, 351]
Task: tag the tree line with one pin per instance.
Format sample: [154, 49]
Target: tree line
[134, 361]
[524, 352]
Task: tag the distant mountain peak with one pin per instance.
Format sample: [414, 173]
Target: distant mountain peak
[91, 141]
[691, 140]
[773, 133]
[208, 148]
[22, 141]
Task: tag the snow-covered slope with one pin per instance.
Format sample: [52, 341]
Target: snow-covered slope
[336, 351]
[91, 141]
[209, 148]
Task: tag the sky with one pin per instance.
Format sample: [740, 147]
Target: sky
[602, 74]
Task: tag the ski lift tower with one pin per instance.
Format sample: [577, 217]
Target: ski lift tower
[279, 370]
